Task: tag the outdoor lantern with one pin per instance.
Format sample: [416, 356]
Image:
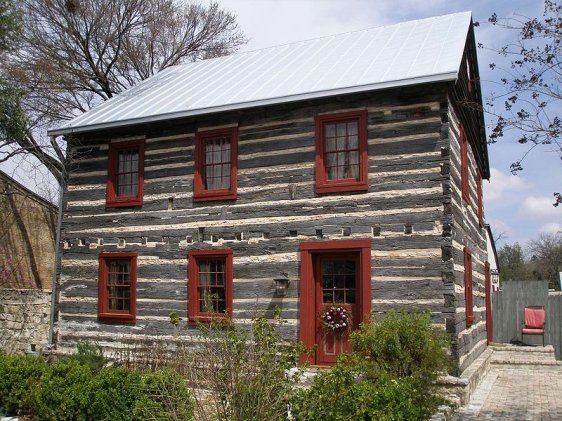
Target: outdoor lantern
[282, 284]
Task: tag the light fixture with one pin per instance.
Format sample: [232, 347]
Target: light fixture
[282, 284]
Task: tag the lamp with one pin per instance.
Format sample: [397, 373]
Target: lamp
[282, 284]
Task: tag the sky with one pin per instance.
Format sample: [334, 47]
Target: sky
[518, 207]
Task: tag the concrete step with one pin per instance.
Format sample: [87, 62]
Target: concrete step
[506, 355]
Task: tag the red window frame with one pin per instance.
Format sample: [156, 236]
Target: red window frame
[480, 207]
[325, 185]
[464, 165]
[468, 292]
[112, 197]
[200, 193]
[104, 312]
[194, 259]
[488, 287]
[307, 317]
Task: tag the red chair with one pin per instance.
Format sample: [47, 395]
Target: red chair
[535, 320]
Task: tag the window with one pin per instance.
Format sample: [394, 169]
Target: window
[480, 209]
[216, 165]
[210, 284]
[117, 287]
[341, 152]
[125, 174]
[464, 165]
[468, 294]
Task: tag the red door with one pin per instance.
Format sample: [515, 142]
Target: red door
[337, 289]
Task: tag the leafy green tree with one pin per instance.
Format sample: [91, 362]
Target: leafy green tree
[530, 83]
[512, 263]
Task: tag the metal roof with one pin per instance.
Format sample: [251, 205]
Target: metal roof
[425, 50]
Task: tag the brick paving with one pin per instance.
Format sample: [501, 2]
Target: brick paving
[524, 393]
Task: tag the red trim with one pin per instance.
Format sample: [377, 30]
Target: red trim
[104, 313]
[308, 284]
[112, 199]
[201, 194]
[488, 286]
[464, 165]
[323, 185]
[194, 256]
[480, 209]
[468, 293]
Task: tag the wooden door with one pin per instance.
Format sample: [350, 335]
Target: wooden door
[336, 286]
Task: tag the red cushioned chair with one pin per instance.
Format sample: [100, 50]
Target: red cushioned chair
[534, 322]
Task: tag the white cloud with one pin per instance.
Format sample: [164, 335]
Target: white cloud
[551, 228]
[540, 207]
[503, 188]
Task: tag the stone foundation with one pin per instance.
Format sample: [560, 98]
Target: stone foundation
[24, 319]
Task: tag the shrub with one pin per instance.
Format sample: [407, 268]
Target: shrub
[17, 376]
[62, 392]
[389, 375]
[113, 393]
[90, 354]
[245, 369]
[402, 345]
[164, 395]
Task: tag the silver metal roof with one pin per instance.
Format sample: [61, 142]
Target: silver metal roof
[425, 50]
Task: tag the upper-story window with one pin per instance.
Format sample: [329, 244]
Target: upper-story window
[117, 287]
[125, 174]
[464, 165]
[216, 165]
[210, 284]
[341, 152]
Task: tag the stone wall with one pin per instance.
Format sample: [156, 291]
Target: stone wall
[24, 319]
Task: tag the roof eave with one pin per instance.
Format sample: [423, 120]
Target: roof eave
[442, 77]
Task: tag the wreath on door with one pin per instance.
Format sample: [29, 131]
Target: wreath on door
[336, 319]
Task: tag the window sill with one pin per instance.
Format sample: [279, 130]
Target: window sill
[117, 318]
[337, 187]
[209, 196]
[122, 203]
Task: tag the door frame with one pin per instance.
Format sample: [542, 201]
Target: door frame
[308, 285]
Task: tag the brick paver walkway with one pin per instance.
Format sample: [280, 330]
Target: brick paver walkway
[524, 393]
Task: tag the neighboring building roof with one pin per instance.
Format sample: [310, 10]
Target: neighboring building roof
[11, 181]
[419, 51]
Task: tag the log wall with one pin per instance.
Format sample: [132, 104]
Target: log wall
[411, 163]
[467, 342]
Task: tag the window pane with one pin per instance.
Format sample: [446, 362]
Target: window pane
[341, 158]
[212, 285]
[127, 173]
[119, 285]
[217, 164]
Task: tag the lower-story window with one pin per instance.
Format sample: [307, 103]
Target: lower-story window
[210, 284]
[117, 287]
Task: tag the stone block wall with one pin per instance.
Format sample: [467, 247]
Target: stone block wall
[24, 319]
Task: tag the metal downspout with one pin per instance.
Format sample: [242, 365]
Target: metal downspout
[50, 344]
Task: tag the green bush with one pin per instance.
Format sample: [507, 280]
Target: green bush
[402, 345]
[17, 375]
[113, 393]
[164, 396]
[63, 392]
[389, 375]
[90, 354]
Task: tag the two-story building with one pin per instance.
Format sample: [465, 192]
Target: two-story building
[351, 165]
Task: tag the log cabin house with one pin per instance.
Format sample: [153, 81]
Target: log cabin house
[351, 165]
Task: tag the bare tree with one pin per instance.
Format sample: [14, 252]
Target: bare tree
[546, 255]
[530, 85]
[75, 54]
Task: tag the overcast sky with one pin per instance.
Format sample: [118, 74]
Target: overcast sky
[518, 206]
